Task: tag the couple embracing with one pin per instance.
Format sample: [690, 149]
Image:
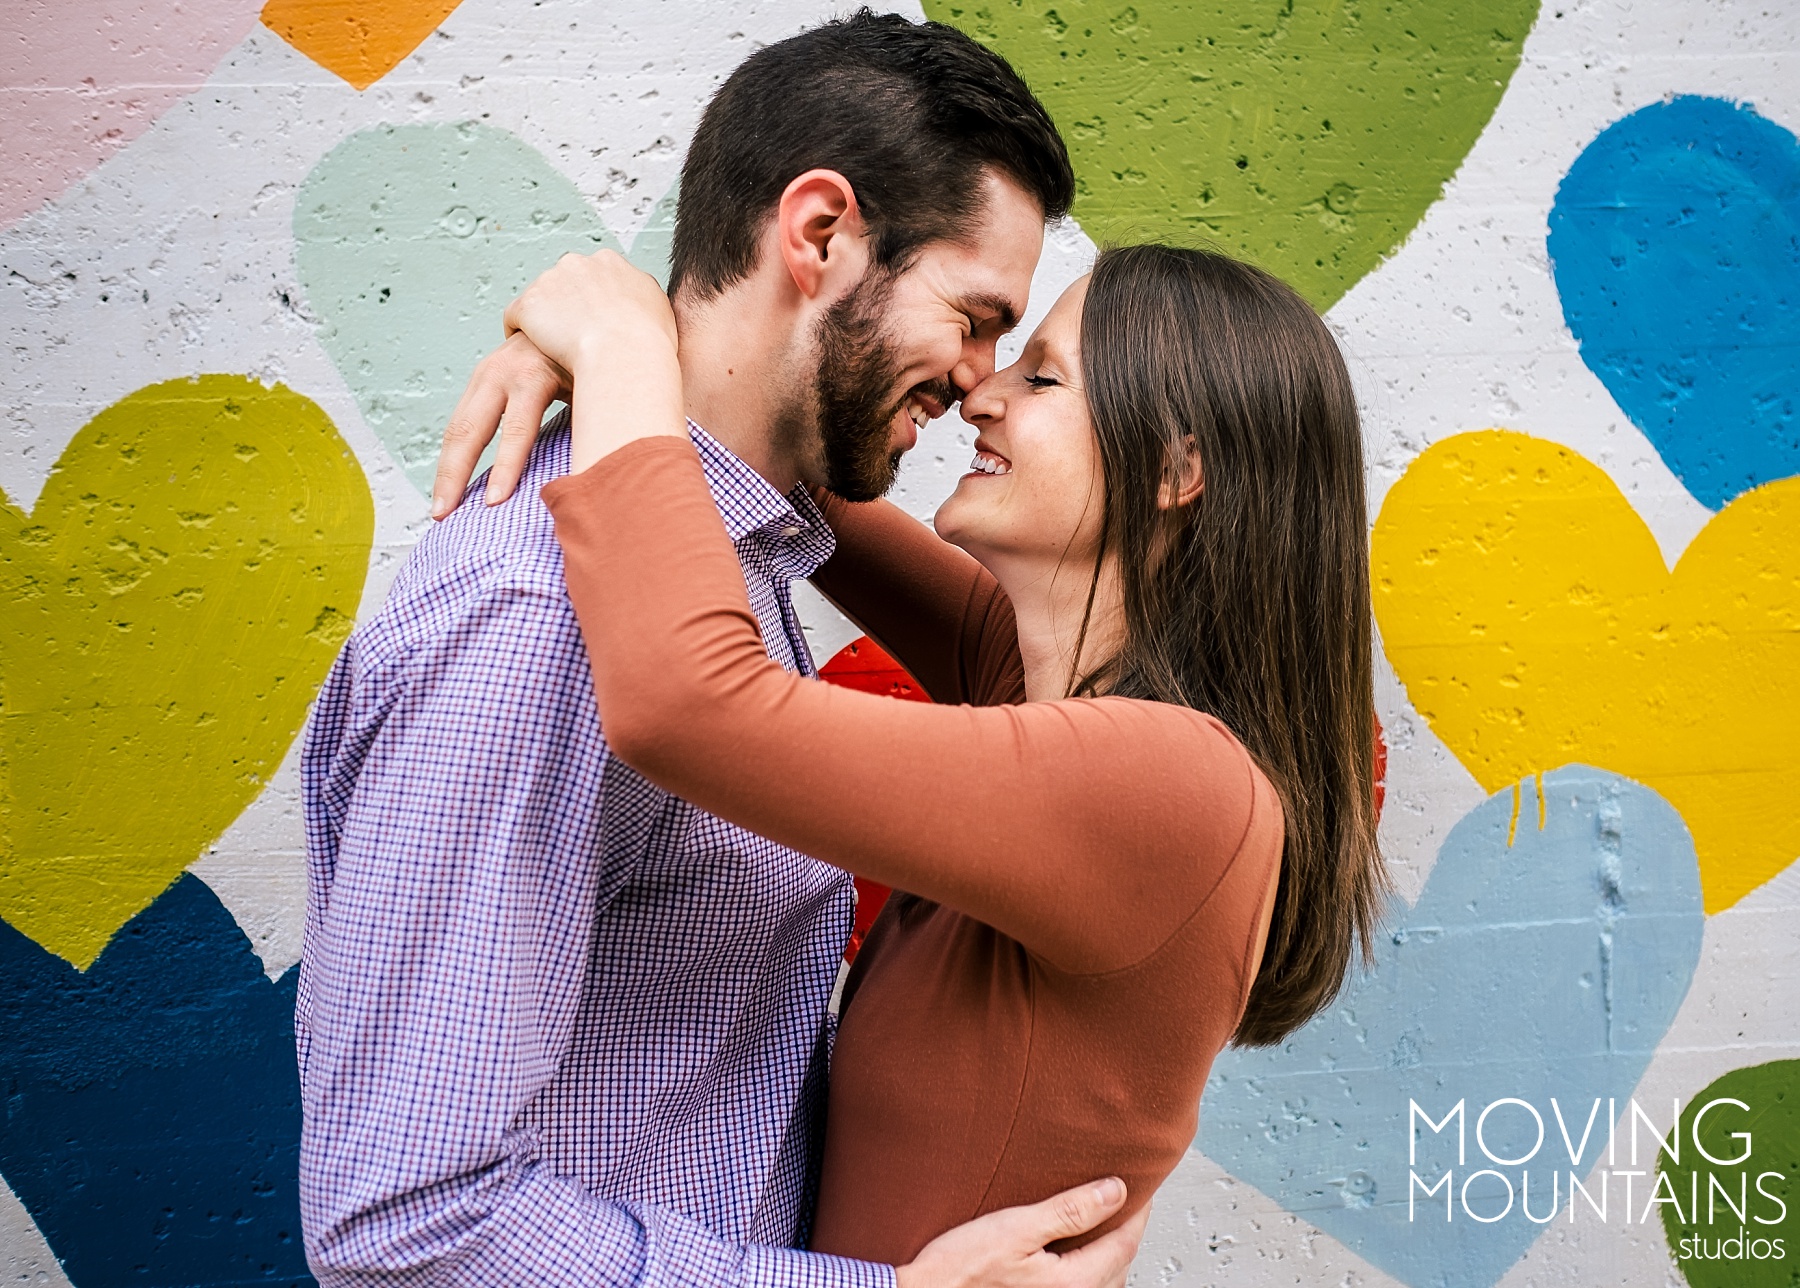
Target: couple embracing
[581, 822]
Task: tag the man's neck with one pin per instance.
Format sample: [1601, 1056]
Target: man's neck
[736, 377]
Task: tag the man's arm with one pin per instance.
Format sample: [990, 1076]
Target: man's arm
[443, 981]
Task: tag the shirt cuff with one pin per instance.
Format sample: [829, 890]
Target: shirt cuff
[790, 1268]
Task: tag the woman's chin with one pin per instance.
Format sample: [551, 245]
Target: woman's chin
[954, 514]
[956, 511]
[958, 520]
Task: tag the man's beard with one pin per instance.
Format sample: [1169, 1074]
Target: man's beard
[853, 391]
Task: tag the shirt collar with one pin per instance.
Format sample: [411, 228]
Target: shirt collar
[755, 509]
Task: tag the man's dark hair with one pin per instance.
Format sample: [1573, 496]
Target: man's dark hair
[910, 113]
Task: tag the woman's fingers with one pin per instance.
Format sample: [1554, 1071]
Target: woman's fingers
[597, 305]
[510, 390]
[518, 432]
[519, 427]
[587, 304]
[471, 425]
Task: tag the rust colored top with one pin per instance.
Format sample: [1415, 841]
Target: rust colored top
[1090, 878]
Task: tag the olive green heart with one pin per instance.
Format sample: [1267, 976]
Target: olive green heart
[1308, 136]
[173, 601]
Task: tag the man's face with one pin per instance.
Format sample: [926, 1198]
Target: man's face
[897, 351]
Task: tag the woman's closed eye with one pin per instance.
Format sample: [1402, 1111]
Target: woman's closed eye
[1041, 381]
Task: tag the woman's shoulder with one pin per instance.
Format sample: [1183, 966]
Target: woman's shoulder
[1195, 731]
[1177, 774]
[1161, 811]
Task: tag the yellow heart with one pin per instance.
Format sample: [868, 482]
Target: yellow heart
[359, 41]
[1530, 615]
[172, 603]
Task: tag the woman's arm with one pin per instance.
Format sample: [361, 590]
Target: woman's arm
[930, 605]
[1088, 830]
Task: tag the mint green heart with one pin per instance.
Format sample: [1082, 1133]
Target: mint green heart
[1305, 136]
[410, 242]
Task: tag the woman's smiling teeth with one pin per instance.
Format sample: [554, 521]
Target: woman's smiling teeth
[988, 463]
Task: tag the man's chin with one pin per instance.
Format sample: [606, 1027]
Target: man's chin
[866, 488]
[905, 435]
[861, 463]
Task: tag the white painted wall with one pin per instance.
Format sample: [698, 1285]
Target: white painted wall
[173, 257]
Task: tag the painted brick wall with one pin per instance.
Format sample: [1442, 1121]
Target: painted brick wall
[248, 254]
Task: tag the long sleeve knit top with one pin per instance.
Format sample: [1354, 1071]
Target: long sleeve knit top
[1088, 880]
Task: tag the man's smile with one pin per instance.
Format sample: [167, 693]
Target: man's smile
[924, 403]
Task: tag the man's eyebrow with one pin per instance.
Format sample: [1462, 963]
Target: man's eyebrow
[989, 302]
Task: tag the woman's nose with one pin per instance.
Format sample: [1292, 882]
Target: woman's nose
[983, 402]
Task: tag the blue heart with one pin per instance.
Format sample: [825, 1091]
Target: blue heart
[152, 1103]
[1675, 239]
[1548, 967]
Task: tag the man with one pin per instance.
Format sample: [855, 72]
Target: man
[556, 1027]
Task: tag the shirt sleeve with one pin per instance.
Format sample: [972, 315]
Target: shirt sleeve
[1089, 830]
[442, 981]
[936, 611]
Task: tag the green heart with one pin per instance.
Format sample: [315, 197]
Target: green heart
[1308, 137]
[1766, 1137]
[172, 603]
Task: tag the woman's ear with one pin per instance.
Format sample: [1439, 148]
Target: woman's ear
[821, 235]
[1181, 485]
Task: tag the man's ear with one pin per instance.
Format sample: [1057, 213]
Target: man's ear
[1185, 482]
[823, 241]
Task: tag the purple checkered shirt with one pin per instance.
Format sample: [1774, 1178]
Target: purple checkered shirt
[556, 1027]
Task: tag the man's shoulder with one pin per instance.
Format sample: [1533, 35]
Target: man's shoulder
[482, 563]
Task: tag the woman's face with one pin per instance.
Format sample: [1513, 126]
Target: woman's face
[1035, 489]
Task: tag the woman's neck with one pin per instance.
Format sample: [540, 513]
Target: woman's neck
[1049, 603]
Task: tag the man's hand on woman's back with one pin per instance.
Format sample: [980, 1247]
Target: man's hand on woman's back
[1007, 1249]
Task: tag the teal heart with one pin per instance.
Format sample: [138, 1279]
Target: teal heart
[1540, 961]
[410, 242]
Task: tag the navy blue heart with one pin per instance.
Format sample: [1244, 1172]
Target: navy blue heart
[152, 1121]
[1537, 963]
[1675, 239]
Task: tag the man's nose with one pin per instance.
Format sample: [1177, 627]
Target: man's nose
[975, 365]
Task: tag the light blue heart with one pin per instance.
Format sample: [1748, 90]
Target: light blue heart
[1550, 967]
[410, 242]
[1675, 239]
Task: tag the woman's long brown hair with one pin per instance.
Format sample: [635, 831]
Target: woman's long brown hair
[1252, 601]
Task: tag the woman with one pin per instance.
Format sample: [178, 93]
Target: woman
[1138, 825]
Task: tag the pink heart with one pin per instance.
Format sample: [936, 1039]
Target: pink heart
[82, 78]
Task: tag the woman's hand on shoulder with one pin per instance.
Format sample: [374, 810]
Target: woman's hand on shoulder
[510, 391]
[595, 312]
[610, 326]
[591, 328]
